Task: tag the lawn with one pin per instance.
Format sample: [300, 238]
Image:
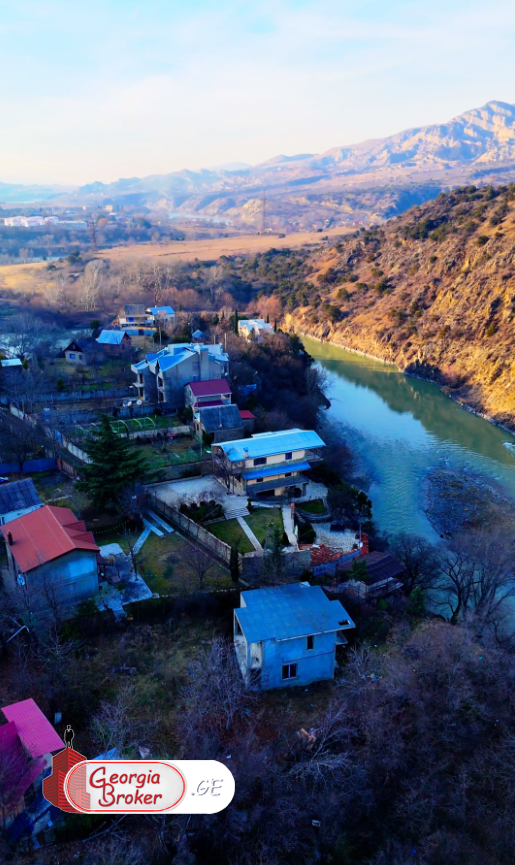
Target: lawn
[262, 521]
[163, 564]
[230, 532]
[315, 506]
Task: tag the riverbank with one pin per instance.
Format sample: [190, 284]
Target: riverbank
[444, 389]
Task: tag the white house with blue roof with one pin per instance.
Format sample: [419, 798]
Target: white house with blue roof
[268, 463]
[161, 377]
[287, 635]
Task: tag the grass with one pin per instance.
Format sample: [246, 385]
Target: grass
[230, 532]
[262, 521]
[315, 506]
[163, 564]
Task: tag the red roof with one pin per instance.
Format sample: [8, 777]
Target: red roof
[46, 534]
[245, 414]
[19, 774]
[322, 555]
[34, 730]
[213, 387]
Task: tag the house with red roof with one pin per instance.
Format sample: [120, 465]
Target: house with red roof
[51, 556]
[27, 742]
[201, 394]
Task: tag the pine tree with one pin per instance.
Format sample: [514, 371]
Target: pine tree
[115, 465]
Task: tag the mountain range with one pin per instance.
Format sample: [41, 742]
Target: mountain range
[365, 182]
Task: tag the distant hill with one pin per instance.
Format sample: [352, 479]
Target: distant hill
[347, 185]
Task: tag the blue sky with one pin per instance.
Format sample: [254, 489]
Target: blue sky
[105, 89]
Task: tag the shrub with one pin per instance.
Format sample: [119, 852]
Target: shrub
[482, 239]
[342, 294]
[491, 329]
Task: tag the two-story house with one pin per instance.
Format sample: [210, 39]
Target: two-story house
[160, 314]
[267, 463]
[161, 377]
[254, 328]
[51, 556]
[199, 394]
[287, 635]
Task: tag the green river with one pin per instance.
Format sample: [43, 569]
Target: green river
[399, 428]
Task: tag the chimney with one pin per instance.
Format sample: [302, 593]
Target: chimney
[10, 539]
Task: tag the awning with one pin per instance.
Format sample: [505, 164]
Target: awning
[277, 469]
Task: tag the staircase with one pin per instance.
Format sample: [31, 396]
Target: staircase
[234, 507]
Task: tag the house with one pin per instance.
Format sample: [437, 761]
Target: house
[51, 556]
[114, 341]
[385, 575]
[254, 328]
[17, 499]
[207, 393]
[8, 362]
[133, 314]
[161, 314]
[27, 741]
[218, 423]
[198, 335]
[287, 635]
[248, 419]
[161, 377]
[268, 463]
[83, 351]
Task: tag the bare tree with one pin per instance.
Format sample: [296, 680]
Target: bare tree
[216, 687]
[116, 724]
[23, 335]
[199, 562]
[420, 559]
[90, 284]
[55, 291]
[22, 441]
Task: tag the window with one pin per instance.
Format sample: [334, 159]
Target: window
[310, 642]
[288, 474]
[289, 671]
[260, 461]
[72, 356]
[288, 456]
[80, 357]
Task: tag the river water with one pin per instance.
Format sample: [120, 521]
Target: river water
[399, 428]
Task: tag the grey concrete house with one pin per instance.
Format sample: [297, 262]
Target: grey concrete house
[287, 635]
[161, 377]
[219, 422]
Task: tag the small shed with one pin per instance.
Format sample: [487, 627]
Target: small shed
[114, 341]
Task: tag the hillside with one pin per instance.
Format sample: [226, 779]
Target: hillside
[432, 291]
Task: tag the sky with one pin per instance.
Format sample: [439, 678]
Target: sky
[105, 89]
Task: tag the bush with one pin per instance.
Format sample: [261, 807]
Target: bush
[342, 294]
[491, 329]
[482, 239]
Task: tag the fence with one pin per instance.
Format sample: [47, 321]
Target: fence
[45, 464]
[221, 550]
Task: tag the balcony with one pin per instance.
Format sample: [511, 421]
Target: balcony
[296, 481]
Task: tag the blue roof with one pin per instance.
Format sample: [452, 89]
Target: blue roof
[270, 443]
[111, 337]
[197, 334]
[287, 612]
[277, 469]
[155, 310]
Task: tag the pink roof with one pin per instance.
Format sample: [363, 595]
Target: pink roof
[18, 773]
[245, 414]
[34, 730]
[213, 387]
[46, 534]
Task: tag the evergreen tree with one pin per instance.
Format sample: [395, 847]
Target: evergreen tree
[234, 565]
[115, 465]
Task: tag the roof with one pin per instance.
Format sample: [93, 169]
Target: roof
[19, 774]
[11, 361]
[112, 337]
[380, 566]
[197, 334]
[322, 555]
[18, 495]
[156, 310]
[275, 469]
[246, 415]
[34, 730]
[255, 323]
[212, 387]
[84, 344]
[219, 417]
[287, 612]
[267, 444]
[134, 309]
[46, 534]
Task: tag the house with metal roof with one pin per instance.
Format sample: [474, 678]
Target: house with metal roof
[287, 635]
[161, 314]
[114, 341]
[207, 393]
[162, 376]
[51, 556]
[268, 464]
[18, 498]
[82, 351]
[218, 422]
[254, 328]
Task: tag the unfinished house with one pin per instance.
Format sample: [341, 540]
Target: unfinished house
[17, 499]
[287, 635]
[218, 423]
[161, 377]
